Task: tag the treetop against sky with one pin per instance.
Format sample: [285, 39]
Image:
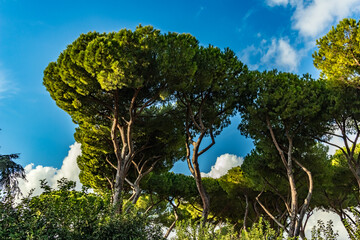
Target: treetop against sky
[264, 35]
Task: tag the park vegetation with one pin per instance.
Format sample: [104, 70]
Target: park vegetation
[143, 100]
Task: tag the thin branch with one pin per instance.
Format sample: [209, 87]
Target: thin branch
[281, 152]
[278, 193]
[112, 165]
[268, 213]
[210, 145]
[332, 144]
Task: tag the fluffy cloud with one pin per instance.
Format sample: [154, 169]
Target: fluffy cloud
[223, 164]
[69, 170]
[280, 54]
[313, 18]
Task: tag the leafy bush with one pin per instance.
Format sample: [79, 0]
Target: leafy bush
[322, 232]
[195, 230]
[69, 214]
[261, 231]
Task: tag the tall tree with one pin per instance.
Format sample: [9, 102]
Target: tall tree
[108, 83]
[340, 191]
[338, 56]
[10, 172]
[206, 99]
[344, 124]
[283, 116]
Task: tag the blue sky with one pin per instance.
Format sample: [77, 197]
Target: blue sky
[265, 34]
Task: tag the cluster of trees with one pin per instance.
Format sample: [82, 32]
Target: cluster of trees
[143, 100]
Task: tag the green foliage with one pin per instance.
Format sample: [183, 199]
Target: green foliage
[69, 214]
[121, 76]
[339, 53]
[10, 172]
[293, 104]
[352, 225]
[195, 230]
[322, 232]
[261, 230]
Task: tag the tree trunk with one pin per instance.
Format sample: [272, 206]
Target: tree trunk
[204, 198]
[175, 207]
[137, 195]
[294, 203]
[246, 211]
[118, 187]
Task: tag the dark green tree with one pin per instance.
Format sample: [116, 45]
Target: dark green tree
[206, 99]
[286, 112]
[338, 59]
[340, 191]
[110, 84]
[338, 56]
[344, 124]
[10, 172]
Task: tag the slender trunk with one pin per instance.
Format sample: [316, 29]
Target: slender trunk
[176, 218]
[151, 207]
[118, 187]
[120, 176]
[134, 197]
[137, 195]
[294, 203]
[293, 192]
[204, 198]
[246, 211]
[288, 163]
[355, 171]
[306, 203]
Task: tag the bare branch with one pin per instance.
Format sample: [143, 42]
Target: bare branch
[112, 165]
[281, 152]
[210, 145]
[268, 213]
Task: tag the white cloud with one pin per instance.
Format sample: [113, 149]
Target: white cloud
[275, 54]
[247, 54]
[273, 3]
[280, 54]
[316, 17]
[223, 164]
[69, 170]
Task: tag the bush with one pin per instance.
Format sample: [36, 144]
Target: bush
[261, 231]
[69, 214]
[195, 230]
[322, 232]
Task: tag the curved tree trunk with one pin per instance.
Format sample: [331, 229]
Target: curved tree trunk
[204, 198]
[175, 207]
[246, 211]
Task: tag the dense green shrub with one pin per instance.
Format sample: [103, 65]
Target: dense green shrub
[69, 214]
[196, 231]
